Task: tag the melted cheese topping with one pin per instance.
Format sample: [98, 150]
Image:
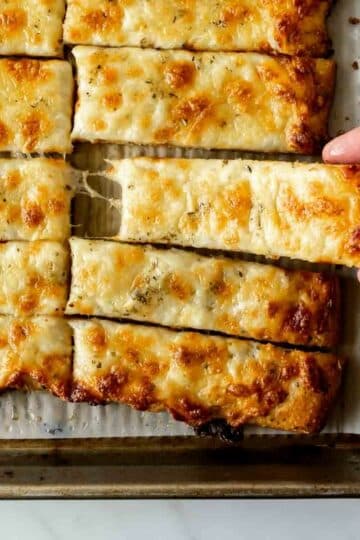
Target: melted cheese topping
[291, 27]
[36, 354]
[223, 100]
[185, 290]
[35, 199]
[200, 378]
[304, 211]
[31, 27]
[35, 105]
[33, 278]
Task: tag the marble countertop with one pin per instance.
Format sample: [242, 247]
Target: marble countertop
[180, 520]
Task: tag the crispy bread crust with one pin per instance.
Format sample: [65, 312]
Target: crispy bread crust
[201, 378]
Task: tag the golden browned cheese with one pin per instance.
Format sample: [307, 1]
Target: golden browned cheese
[181, 289]
[293, 27]
[33, 278]
[244, 101]
[35, 105]
[303, 211]
[35, 354]
[200, 378]
[31, 27]
[35, 199]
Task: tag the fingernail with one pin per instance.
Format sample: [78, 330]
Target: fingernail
[336, 150]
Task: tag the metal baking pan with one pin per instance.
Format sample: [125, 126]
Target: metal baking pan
[260, 466]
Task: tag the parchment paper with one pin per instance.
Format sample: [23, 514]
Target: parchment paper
[38, 415]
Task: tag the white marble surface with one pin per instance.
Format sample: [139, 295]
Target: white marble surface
[180, 520]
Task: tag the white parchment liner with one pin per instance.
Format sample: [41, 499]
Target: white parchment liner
[38, 415]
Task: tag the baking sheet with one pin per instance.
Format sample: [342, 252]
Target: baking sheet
[38, 415]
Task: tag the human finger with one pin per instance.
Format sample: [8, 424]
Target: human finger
[344, 149]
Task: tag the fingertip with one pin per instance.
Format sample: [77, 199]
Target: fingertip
[336, 150]
[326, 153]
[343, 149]
[358, 275]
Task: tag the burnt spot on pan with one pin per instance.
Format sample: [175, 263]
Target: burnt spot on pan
[221, 430]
